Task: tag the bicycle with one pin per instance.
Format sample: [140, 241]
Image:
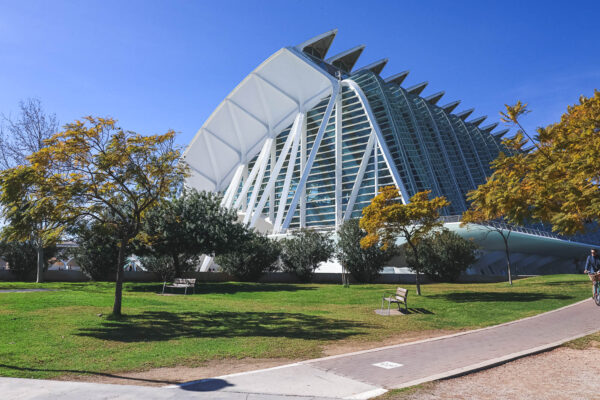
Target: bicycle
[595, 278]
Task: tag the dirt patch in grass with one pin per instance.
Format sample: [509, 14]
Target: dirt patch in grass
[175, 375]
[563, 373]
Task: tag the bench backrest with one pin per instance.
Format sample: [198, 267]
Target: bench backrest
[184, 281]
[401, 294]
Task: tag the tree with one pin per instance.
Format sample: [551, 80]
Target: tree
[94, 170]
[97, 251]
[302, 253]
[386, 219]
[251, 257]
[185, 227]
[556, 182]
[22, 256]
[445, 255]
[365, 265]
[18, 139]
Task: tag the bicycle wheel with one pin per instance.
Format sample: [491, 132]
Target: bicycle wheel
[597, 293]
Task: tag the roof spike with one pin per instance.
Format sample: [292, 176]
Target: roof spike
[465, 114]
[375, 67]
[451, 106]
[319, 45]
[418, 88]
[489, 128]
[478, 120]
[434, 98]
[397, 78]
[501, 133]
[346, 59]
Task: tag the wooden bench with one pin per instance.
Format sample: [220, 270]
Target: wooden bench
[181, 283]
[399, 297]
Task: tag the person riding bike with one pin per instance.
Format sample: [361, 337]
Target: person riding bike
[592, 265]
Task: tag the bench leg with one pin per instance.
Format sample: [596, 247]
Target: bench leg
[389, 304]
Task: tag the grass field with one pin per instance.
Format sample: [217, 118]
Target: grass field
[69, 330]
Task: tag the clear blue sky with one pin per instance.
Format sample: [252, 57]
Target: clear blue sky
[158, 65]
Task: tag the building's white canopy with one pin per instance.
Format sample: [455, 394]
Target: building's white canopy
[260, 107]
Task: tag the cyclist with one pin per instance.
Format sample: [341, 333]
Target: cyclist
[592, 265]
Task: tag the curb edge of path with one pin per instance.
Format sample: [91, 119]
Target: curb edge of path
[494, 362]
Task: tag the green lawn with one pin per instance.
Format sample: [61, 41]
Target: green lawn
[46, 334]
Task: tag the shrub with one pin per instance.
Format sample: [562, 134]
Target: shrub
[251, 258]
[365, 265]
[22, 258]
[444, 255]
[302, 253]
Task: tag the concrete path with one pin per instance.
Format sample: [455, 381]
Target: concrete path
[359, 375]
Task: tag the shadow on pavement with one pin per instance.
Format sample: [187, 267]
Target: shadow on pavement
[206, 385]
[81, 372]
[467, 297]
[162, 325]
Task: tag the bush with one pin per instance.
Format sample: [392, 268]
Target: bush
[302, 253]
[444, 255]
[22, 258]
[252, 257]
[98, 251]
[365, 265]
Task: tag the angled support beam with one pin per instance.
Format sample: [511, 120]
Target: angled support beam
[232, 188]
[465, 114]
[311, 158]
[379, 135]
[296, 127]
[259, 181]
[360, 175]
[288, 179]
[261, 156]
[338, 162]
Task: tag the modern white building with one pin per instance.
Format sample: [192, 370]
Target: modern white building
[306, 140]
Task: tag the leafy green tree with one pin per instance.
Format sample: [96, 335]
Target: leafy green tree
[185, 227]
[302, 253]
[94, 170]
[364, 265]
[445, 255]
[251, 257]
[387, 219]
[22, 258]
[97, 251]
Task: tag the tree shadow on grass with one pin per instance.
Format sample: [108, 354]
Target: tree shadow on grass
[223, 288]
[468, 297]
[152, 326]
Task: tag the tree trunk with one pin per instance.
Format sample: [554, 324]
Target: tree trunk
[119, 279]
[40, 263]
[507, 252]
[176, 267]
[416, 255]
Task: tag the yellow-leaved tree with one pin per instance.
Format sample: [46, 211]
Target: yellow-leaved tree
[93, 169]
[556, 182]
[387, 219]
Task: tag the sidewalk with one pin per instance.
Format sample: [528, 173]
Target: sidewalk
[357, 375]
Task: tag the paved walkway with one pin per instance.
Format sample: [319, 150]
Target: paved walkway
[357, 375]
